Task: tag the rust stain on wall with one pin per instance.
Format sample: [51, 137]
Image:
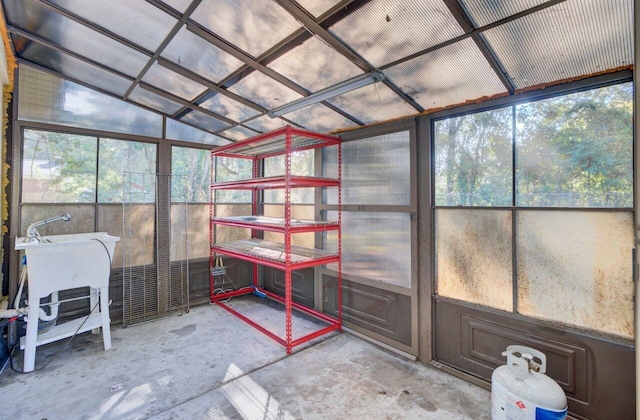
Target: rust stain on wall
[473, 256]
[576, 268]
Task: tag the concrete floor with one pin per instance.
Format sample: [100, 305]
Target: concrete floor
[209, 364]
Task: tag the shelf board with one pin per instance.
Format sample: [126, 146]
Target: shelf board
[272, 254]
[273, 224]
[274, 143]
[275, 182]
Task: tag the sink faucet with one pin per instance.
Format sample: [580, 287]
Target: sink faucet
[32, 232]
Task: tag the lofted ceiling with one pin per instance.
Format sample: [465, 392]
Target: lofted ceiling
[222, 65]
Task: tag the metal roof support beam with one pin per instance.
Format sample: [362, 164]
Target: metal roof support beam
[245, 58]
[184, 102]
[465, 21]
[314, 27]
[41, 41]
[209, 84]
[194, 4]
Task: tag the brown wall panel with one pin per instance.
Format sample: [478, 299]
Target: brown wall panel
[597, 375]
[302, 289]
[376, 310]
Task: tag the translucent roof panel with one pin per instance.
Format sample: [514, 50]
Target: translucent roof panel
[314, 65]
[320, 118]
[447, 76]
[254, 26]
[263, 90]
[179, 5]
[50, 99]
[571, 39]
[238, 133]
[373, 103]
[137, 21]
[265, 123]
[383, 31]
[66, 33]
[172, 82]
[194, 53]
[317, 7]
[203, 120]
[223, 105]
[153, 100]
[70, 66]
[180, 131]
[484, 12]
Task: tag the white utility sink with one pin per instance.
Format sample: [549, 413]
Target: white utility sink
[63, 262]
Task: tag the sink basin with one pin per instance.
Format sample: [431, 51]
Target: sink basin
[68, 261]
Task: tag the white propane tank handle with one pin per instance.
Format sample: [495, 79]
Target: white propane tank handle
[520, 365]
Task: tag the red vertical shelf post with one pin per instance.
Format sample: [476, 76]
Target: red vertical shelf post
[287, 239]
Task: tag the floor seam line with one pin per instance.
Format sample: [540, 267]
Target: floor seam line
[257, 369]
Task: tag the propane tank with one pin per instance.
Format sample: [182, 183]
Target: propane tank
[521, 391]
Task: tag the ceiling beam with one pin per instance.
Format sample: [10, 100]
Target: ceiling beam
[185, 103]
[314, 27]
[244, 57]
[194, 4]
[208, 83]
[465, 21]
[37, 39]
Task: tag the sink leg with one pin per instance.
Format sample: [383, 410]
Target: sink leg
[93, 299]
[104, 314]
[32, 336]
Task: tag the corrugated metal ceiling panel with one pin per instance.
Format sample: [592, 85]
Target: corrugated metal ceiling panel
[314, 65]
[484, 12]
[253, 26]
[68, 34]
[201, 57]
[383, 31]
[571, 39]
[71, 67]
[318, 117]
[136, 21]
[372, 103]
[447, 76]
[263, 90]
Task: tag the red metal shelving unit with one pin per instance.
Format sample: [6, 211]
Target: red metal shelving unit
[283, 256]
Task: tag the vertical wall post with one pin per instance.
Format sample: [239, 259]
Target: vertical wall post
[636, 150]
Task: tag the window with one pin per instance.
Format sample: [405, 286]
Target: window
[233, 169]
[540, 258]
[572, 151]
[576, 150]
[69, 168]
[58, 168]
[473, 159]
[116, 157]
[302, 164]
[195, 166]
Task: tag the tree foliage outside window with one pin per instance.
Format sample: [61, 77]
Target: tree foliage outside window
[577, 150]
[195, 166]
[58, 167]
[302, 164]
[118, 156]
[573, 150]
[473, 159]
[64, 168]
[233, 169]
